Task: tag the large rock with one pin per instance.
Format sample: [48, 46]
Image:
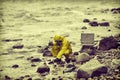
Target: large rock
[43, 70]
[108, 43]
[91, 69]
[83, 57]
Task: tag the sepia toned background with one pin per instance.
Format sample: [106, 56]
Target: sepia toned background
[33, 23]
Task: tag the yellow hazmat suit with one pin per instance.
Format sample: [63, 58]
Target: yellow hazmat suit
[63, 48]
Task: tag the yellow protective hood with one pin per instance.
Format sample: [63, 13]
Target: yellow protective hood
[57, 37]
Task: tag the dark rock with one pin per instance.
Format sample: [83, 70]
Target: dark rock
[93, 23]
[30, 58]
[88, 49]
[53, 78]
[29, 79]
[27, 75]
[94, 18]
[104, 24]
[109, 30]
[33, 65]
[7, 77]
[86, 20]
[18, 46]
[46, 48]
[9, 40]
[47, 53]
[43, 69]
[70, 65]
[1, 70]
[75, 53]
[73, 59]
[115, 10]
[35, 60]
[15, 66]
[69, 68]
[39, 46]
[21, 78]
[99, 71]
[84, 27]
[50, 44]
[38, 79]
[108, 43]
[51, 62]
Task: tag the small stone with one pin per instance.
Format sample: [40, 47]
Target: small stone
[84, 27]
[53, 78]
[7, 77]
[93, 23]
[43, 70]
[33, 65]
[70, 65]
[94, 18]
[104, 24]
[109, 30]
[15, 66]
[29, 79]
[18, 46]
[75, 53]
[35, 60]
[47, 53]
[29, 58]
[86, 20]
[27, 75]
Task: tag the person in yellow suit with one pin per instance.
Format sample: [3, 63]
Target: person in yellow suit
[61, 46]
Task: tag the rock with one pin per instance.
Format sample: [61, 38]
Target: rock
[83, 57]
[75, 53]
[53, 78]
[15, 66]
[84, 27]
[47, 53]
[35, 60]
[108, 43]
[109, 30]
[86, 20]
[43, 70]
[18, 46]
[93, 23]
[69, 68]
[9, 40]
[29, 79]
[88, 49]
[91, 69]
[7, 77]
[70, 65]
[33, 65]
[104, 24]
[115, 10]
[94, 18]
[30, 58]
